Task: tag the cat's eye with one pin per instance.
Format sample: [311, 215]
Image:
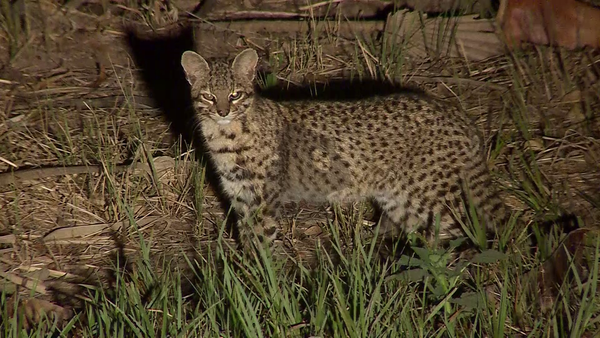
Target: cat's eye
[235, 96]
[208, 96]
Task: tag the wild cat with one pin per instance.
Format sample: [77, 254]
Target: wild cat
[416, 157]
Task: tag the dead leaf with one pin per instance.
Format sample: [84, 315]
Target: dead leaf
[8, 239]
[36, 285]
[33, 311]
[314, 230]
[560, 265]
[39, 275]
[75, 232]
[535, 145]
[572, 97]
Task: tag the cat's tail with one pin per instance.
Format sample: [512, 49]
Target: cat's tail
[480, 193]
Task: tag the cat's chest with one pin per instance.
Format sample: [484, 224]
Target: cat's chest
[238, 155]
[230, 150]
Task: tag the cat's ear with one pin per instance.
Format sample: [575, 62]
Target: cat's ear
[244, 66]
[195, 67]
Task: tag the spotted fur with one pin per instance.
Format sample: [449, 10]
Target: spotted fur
[415, 156]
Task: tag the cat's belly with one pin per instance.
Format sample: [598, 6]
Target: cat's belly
[323, 194]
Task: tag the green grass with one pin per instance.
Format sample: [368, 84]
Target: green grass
[14, 24]
[358, 296]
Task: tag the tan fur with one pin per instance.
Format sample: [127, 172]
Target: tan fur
[415, 156]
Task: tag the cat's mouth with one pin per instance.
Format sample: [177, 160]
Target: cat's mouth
[223, 121]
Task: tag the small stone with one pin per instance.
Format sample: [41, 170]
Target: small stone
[535, 144]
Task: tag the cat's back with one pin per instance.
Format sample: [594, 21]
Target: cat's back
[402, 114]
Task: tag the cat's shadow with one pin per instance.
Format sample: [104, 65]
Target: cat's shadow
[334, 90]
[158, 59]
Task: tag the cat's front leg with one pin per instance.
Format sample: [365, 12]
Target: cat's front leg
[256, 225]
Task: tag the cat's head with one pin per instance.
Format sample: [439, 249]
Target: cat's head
[221, 91]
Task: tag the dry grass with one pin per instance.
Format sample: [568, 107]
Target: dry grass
[75, 98]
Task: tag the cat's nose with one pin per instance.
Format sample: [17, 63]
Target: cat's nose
[222, 108]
